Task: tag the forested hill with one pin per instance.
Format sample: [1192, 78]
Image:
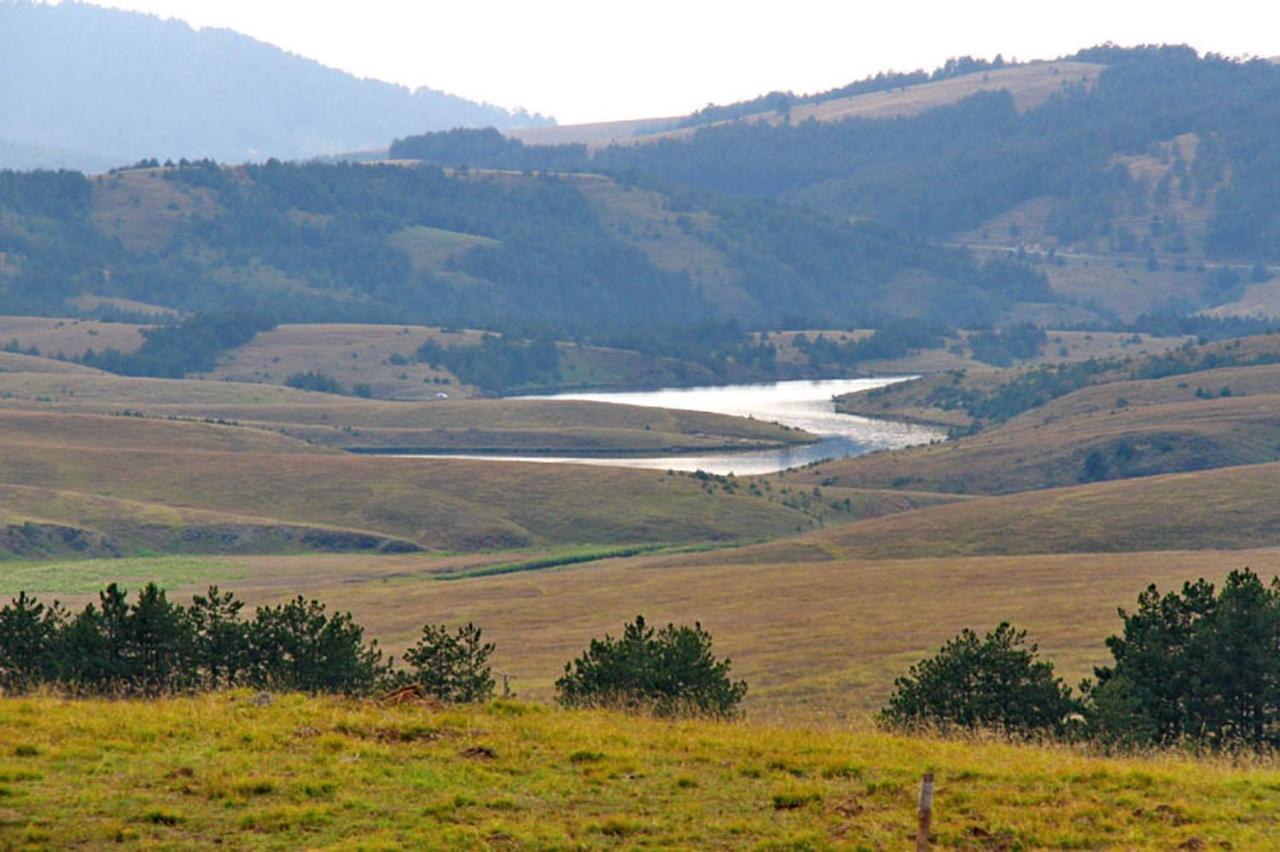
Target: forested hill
[91, 88]
[1164, 151]
[392, 243]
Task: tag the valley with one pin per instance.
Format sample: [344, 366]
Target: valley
[674, 481]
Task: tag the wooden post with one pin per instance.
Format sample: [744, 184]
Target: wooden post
[926, 813]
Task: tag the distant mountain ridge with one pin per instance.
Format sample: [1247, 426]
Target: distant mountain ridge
[89, 88]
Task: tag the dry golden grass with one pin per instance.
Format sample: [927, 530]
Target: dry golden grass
[351, 353]
[431, 249]
[69, 337]
[1227, 508]
[639, 218]
[812, 631]
[1030, 85]
[954, 354]
[1124, 285]
[595, 135]
[1261, 299]
[89, 303]
[56, 429]
[816, 632]
[1145, 427]
[321, 772]
[14, 362]
[143, 210]
[1028, 454]
[340, 421]
[443, 503]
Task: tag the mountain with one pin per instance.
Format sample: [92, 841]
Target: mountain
[1145, 178]
[87, 87]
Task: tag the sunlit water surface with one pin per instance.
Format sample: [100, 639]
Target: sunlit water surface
[804, 405]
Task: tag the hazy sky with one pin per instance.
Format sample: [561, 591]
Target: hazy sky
[593, 61]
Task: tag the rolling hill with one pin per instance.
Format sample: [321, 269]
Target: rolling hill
[581, 255]
[1139, 176]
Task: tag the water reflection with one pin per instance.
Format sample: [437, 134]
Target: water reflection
[803, 404]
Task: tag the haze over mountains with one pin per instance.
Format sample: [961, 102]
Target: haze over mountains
[91, 88]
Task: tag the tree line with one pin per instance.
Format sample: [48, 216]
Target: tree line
[1196, 666]
[153, 646]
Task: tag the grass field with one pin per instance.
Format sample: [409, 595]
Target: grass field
[1060, 347]
[1030, 85]
[70, 337]
[351, 422]
[1031, 453]
[817, 631]
[1194, 421]
[128, 477]
[143, 211]
[1228, 508]
[324, 772]
[351, 353]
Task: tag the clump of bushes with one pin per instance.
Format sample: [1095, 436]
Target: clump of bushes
[1197, 666]
[451, 666]
[668, 672]
[997, 681]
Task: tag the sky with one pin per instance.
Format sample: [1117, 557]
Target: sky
[603, 60]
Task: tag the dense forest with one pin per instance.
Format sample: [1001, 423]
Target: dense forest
[338, 242]
[994, 157]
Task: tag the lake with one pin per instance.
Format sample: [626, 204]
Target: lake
[805, 405]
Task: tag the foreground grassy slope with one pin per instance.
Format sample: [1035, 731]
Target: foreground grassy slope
[318, 772]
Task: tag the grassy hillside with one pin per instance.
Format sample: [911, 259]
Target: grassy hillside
[1228, 508]
[1110, 437]
[348, 422]
[56, 336]
[154, 465]
[320, 772]
[1118, 424]
[382, 359]
[1028, 85]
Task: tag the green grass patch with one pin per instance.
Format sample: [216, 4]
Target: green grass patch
[87, 576]
[572, 558]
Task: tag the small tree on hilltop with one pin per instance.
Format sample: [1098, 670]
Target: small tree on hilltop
[452, 667]
[993, 682]
[670, 672]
